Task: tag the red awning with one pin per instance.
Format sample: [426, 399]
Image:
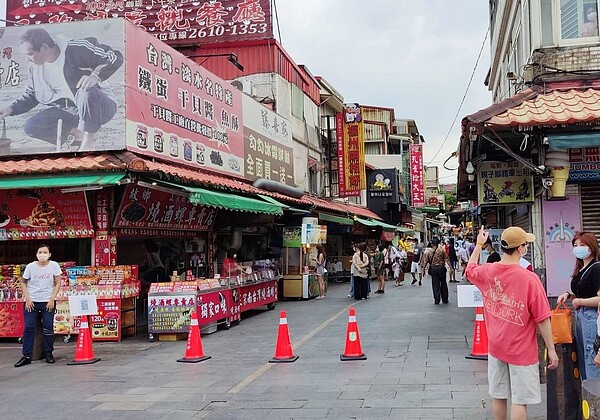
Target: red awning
[550, 104]
[130, 161]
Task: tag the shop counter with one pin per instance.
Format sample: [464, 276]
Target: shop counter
[300, 286]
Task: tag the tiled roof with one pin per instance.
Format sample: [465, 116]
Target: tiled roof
[127, 160]
[550, 104]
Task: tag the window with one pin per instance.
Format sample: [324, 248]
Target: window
[547, 39]
[297, 102]
[578, 19]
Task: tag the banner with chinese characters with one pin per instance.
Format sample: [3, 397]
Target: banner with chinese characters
[170, 312]
[259, 294]
[53, 114]
[416, 175]
[504, 182]
[44, 213]
[212, 306]
[178, 111]
[351, 151]
[148, 208]
[268, 145]
[177, 22]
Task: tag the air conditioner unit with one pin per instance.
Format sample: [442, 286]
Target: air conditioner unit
[246, 87]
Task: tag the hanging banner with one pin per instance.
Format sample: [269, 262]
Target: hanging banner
[178, 111]
[351, 151]
[44, 213]
[504, 182]
[416, 175]
[147, 208]
[175, 22]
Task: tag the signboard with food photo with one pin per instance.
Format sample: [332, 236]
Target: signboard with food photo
[44, 213]
[170, 313]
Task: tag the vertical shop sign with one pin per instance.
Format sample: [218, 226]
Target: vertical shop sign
[561, 220]
[339, 130]
[352, 150]
[179, 111]
[416, 175]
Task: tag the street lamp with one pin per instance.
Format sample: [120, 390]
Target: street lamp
[231, 57]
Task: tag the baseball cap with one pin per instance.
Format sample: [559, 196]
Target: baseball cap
[514, 236]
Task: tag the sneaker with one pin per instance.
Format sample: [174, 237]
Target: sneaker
[420, 284]
[413, 282]
[382, 292]
[50, 358]
[350, 296]
[23, 361]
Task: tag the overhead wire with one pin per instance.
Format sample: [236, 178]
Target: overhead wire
[464, 96]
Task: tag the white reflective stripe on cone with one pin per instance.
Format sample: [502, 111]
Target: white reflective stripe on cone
[479, 317]
[193, 321]
[282, 321]
[84, 325]
[352, 319]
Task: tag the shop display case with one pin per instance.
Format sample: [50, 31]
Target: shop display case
[220, 300]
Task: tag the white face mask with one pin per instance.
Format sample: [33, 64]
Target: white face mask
[234, 256]
[524, 251]
[43, 256]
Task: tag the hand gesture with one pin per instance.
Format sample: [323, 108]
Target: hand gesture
[6, 111]
[562, 298]
[87, 82]
[553, 358]
[482, 236]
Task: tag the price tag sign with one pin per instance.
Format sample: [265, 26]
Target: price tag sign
[83, 305]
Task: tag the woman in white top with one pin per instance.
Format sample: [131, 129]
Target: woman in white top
[40, 286]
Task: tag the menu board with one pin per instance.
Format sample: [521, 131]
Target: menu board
[169, 313]
[148, 208]
[64, 323]
[44, 213]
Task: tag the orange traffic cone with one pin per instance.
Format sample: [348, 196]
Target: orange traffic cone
[480, 339]
[84, 354]
[353, 349]
[283, 347]
[193, 349]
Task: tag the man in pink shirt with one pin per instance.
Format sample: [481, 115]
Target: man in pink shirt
[514, 304]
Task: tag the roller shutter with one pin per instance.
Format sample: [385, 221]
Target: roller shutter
[590, 207]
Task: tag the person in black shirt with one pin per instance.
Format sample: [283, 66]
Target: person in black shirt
[585, 293]
[494, 255]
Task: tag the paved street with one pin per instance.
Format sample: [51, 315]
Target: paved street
[415, 368]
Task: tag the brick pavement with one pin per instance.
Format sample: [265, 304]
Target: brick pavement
[415, 368]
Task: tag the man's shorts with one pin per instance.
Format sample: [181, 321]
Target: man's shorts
[519, 383]
[415, 267]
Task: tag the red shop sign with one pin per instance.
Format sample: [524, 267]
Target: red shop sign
[254, 295]
[44, 213]
[147, 208]
[212, 306]
[11, 319]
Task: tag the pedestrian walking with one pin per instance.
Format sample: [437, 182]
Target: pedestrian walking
[453, 258]
[361, 261]
[415, 266]
[437, 261]
[399, 266]
[351, 292]
[40, 286]
[511, 294]
[379, 269]
[463, 259]
[585, 291]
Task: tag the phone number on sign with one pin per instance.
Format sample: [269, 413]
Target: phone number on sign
[253, 28]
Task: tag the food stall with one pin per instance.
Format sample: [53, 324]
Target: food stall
[299, 255]
[116, 289]
[219, 300]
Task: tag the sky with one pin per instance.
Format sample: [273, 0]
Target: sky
[415, 56]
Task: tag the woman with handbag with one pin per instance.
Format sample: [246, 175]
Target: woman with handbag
[585, 294]
[437, 259]
[361, 261]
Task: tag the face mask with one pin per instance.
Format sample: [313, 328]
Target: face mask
[581, 252]
[524, 251]
[485, 253]
[43, 257]
[234, 256]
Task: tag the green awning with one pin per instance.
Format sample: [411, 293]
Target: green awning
[385, 226]
[284, 206]
[336, 219]
[429, 209]
[233, 202]
[60, 180]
